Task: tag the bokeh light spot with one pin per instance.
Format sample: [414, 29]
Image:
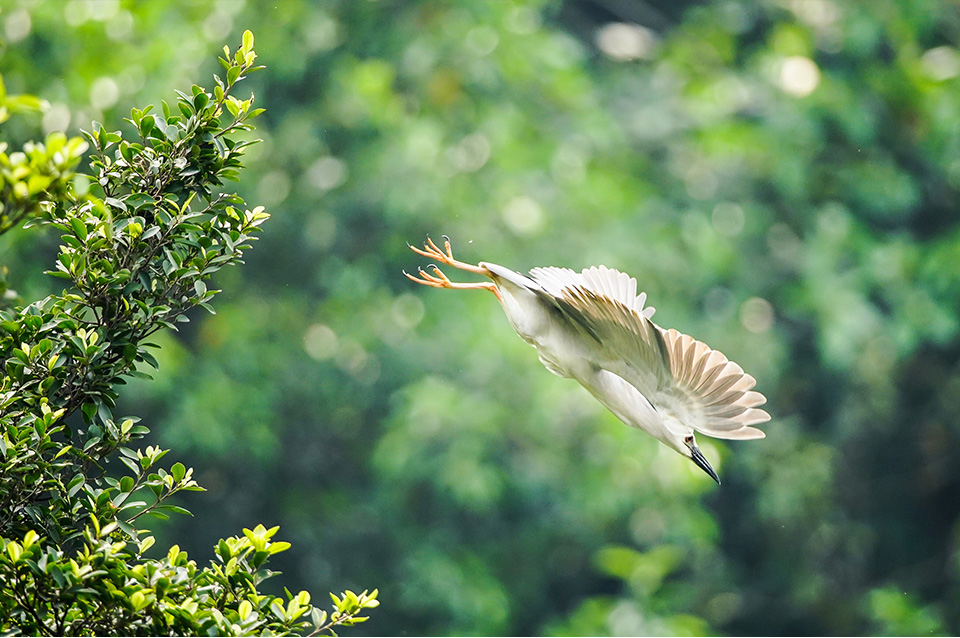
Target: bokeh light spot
[320, 342]
[327, 173]
[819, 14]
[321, 230]
[524, 215]
[622, 41]
[569, 163]
[470, 154]
[273, 188]
[322, 33]
[120, 27]
[217, 26]
[523, 20]
[482, 40]
[941, 63]
[103, 10]
[57, 118]
[408, 310]
[104, 93]
[756, 315]
[76, 12]
[728, 219]
[17, 26]
[799, 76]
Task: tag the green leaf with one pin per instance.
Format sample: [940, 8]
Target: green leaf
[75, 485]
[79, 228]
[130, 463]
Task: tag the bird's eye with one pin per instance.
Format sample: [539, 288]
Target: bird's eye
[688, 439]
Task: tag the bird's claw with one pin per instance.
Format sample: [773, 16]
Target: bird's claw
[437, 279]
[445, 255]
[430, 249]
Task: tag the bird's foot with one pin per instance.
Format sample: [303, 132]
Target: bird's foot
[445, 256]
[437, 279]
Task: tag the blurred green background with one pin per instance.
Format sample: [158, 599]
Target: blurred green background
[783, 178]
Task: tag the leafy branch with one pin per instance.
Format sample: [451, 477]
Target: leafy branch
[136, 251]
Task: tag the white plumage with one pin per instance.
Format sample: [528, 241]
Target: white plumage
[594, 327]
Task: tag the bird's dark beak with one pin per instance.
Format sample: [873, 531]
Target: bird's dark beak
[702, 462]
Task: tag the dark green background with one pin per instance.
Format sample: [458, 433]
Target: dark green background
[406, 439]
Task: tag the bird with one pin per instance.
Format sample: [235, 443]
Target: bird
[593, 327]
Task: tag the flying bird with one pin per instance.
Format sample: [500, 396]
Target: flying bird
[593, 327]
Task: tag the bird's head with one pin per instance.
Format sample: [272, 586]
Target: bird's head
[687, 446]
[680, 437]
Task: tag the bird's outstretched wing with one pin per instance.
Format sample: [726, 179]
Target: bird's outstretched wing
[677, 373]
[719, 392]
[608, 282]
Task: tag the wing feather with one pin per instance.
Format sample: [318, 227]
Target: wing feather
[607, 282]
[719, 388]
[633, 345]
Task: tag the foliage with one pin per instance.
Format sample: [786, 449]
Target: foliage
[782, 178]
[108, 588]
[136, 251]
[39, 174]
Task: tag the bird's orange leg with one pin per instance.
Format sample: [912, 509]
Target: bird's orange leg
[445, 256]
[439, 280]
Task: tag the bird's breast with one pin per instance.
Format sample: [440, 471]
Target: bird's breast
[626, 402]
[539, 324]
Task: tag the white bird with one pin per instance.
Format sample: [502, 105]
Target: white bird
[592, 326]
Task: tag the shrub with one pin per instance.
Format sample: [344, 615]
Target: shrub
[137, 249]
